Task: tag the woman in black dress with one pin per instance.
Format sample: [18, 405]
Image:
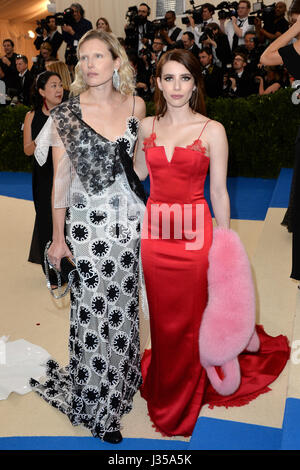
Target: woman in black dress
[283, 51]
[48, 93]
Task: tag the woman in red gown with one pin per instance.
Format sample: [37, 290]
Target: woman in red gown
[176, 148]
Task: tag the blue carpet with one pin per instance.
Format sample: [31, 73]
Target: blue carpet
[86, 443]
[291, 425]
[17, 185]
[250, 198]
[218, 434]
[280, 197]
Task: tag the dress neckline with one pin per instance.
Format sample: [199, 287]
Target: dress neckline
[196, 146]
[128, 119]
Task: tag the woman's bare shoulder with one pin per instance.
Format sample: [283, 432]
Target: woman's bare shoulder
[139, 107]
[214, 128]
[146, 125]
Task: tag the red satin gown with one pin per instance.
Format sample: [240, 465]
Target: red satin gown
[175, 385]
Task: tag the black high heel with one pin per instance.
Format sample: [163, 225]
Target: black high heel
[114, 437]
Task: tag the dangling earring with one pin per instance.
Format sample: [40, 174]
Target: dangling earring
[116, 79]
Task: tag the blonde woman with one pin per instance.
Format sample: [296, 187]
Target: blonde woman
[93, 137]
[103, 25]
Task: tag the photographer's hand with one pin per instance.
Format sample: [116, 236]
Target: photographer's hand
[233, 83]
[68, 29]
[6, 61]
[211, 42]
[238, 31]
[222, 25]
[192, 21]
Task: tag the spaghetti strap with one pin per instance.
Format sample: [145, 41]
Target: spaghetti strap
[204, 127]
[133, 105]
[153, 124]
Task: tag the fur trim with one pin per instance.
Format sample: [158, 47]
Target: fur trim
[228, 323]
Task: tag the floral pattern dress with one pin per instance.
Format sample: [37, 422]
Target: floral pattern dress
[105, 205]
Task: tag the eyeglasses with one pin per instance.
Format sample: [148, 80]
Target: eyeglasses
[159, 43]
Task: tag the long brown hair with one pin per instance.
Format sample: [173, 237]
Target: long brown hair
[190, 62]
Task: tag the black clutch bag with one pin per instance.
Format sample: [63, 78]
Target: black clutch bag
[67, 266]
[67, 274]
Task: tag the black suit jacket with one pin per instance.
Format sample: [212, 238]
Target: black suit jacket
[213, 81]
[195, 51]
[55, 42]
[24, 90]
[245, 85]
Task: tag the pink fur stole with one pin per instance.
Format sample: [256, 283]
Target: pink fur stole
[228, 323]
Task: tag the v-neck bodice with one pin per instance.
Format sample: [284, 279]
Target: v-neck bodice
[180, 179]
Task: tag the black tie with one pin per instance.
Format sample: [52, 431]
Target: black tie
[235, 37]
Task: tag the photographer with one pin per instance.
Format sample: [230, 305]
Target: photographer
[171, 33]
[188, 40]
[26, 80]
[253, 50]
[274, 24]
[241, 82]
[212, 74]
[270, 82]
[40, 61]
[237, 26]
[139, 32]
[47, 32]
[8, 67]
[74, 28]
[218, 41]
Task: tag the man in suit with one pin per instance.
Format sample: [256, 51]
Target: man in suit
[140, 33]
[25, 80]
[50, 35]
[212, 74]
[8, 67]
[171, 34]
[188, 40]
[242, 83]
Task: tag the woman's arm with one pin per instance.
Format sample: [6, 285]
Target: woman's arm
[58, 248]
[271, 55]
[28, 143]
[139, 162]
[139, 108]
[218, 151]
[271, 88]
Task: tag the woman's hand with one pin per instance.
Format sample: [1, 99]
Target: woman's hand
[57, 251]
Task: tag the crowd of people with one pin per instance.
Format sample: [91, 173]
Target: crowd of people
[229, 49]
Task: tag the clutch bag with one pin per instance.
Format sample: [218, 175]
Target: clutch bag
[66, 275]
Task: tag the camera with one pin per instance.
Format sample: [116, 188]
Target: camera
[195, 12]
[132, 28]
[66, 17]
[263, 12]
[41, 25]
[207, 33]
[159, 24]
[227, 10]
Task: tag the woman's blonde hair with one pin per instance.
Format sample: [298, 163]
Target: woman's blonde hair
[62, 69]
[126, 73]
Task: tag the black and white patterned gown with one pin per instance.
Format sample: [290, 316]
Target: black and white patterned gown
[105, 204]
